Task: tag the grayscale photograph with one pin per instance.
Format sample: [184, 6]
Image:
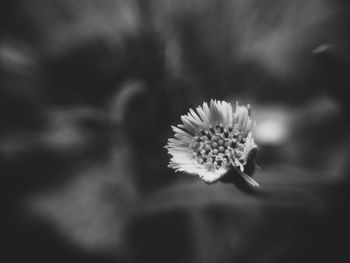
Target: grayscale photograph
[175, 131]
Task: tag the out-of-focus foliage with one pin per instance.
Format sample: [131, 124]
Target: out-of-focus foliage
[88, 92]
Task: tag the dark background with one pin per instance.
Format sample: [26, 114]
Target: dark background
[89, 89]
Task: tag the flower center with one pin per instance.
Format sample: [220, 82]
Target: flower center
[218, 147]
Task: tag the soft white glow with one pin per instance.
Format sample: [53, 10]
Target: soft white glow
[273, 124]
[272, 131]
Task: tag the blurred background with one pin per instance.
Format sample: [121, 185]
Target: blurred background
[89, 89]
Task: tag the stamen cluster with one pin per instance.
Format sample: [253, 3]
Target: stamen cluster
[218, 147]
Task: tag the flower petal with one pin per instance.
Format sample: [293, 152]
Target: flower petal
[249, 180]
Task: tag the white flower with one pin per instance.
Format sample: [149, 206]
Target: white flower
[212, 140]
